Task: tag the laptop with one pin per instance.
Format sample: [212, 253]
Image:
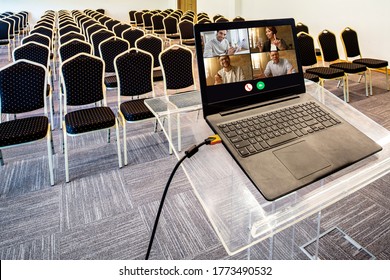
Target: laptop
[253, 97]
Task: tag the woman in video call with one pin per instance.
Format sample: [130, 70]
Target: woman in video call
[273, 43]
[228, 73]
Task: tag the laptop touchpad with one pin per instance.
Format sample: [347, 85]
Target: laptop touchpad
[301, 160]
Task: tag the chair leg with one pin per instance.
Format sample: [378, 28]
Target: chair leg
[118, 143]
[108, 135]
[65, 143]
[124, 141]
[346, 88]
[178, 133]
[365, 79]
[1, 159]
[387, 79]
[50, 155]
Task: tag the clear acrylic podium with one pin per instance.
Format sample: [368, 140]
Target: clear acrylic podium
[241, 217]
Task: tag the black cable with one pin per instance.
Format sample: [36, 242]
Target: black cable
[189, 153]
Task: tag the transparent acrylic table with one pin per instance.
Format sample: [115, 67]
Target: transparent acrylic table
[241, 217]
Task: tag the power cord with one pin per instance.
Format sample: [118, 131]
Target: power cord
[211, 140]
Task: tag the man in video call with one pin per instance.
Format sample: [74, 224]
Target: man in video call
[228, 73]
[218, 45]
[278, 66]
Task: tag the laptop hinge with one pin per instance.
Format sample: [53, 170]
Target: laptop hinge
[254, 106]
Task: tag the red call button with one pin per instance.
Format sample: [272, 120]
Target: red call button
[248, 87]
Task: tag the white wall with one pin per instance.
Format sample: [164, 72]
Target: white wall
[369, 18]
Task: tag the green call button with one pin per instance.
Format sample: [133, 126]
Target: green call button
[260, 85]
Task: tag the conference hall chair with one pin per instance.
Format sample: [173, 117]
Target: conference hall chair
[177, 64]
[330, 55]
[111, 24]
[68, 28]
[170, 28]
[238, 18]
[186, 31]
[5, 36]
[147, 20]
[83, 77]
[70, 36]
[154, 45]
[98, 37]
[11, 30]
[38, 53]
[131, 35]
[108, 50]
[132, 17]
[138, 19]
[350, 41]
[120, 28]
[92, 29]
[23, 89]
[134, 72]
[158, 25]
[305, 44]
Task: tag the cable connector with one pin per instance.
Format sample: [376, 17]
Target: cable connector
[212, 140]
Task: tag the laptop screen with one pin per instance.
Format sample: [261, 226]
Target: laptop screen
[244, 63]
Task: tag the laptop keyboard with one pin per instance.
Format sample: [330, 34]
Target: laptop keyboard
[265, 131]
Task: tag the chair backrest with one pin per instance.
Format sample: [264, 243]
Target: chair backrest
[328, 46]
[204, 20]
[43, 31]
[238, 18]
[138, 19]
[132, 16]
[120, 28]
[4, 30]
[45, 24]
[147, 20]
[72, 48]
[87, 24]
[131, 35]
[350, 41]
[151, 44]
[134, 72]
[92, 29]
[83, 76]
[39, 38]
[186, 30]
[177, 67]
[187, 17]
[11, 23]
[98, 37]
[68, 28]
[22, 87]
[221, 19]
[302, 28]
[217, 16]
[111, 23]
[307, 49]
[109, 49]
[170, 25]
[157, 21]
[70, 36]
[33, 51]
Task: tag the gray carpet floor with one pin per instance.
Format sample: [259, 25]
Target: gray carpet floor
[108, 213]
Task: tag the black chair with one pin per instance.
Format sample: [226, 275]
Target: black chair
[139, 20]
[302, 27]
[83, 76]
[158, 25]
[120, 28]
[238, 18]
[92, 29]
[102, 11]
[111, 24]
[109, 49]
[132, 17]
[221, 19]
[23, 89]
[131, 35]
[147, 20]
[178, 72]
[170, 28]
[11, 29]
[153, 45]
[134, 74]
[103, 20]
[87, 24]
[5, 39]
[70, 36]
[38, 53]
[49, 33]
[68, 28]
[186, 31]
[305, 44]
[350, 41]
[330, 55]
[98, 37]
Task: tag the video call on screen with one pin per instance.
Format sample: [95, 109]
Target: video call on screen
[237, 55]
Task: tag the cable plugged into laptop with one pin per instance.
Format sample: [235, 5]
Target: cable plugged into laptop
[211, 140]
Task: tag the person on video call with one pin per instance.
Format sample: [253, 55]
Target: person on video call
[218, 45]
[278, 66]
[273, 43]
[228, 73]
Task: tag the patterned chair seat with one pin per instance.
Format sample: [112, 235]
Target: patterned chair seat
[350, 68]
[311, 77]
[111, 81]
[135, 110]
[23, 130]
[326, 72]
[371, 62]
[90, 119]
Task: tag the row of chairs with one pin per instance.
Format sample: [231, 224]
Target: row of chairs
[354, 63]
[12, 25]
[84, 73]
